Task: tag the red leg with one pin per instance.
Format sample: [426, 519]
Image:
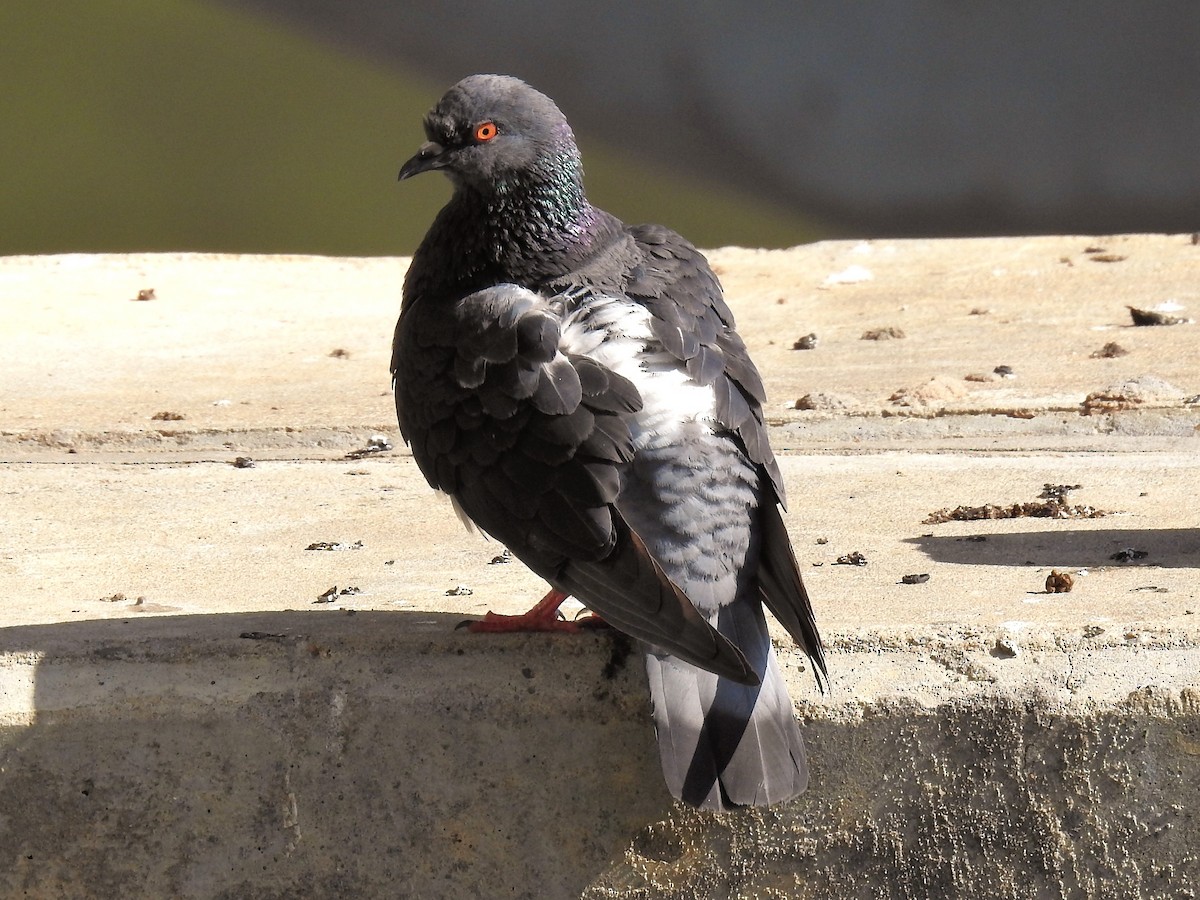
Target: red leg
[543, 617]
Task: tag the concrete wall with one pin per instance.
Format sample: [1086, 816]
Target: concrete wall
[385, 754]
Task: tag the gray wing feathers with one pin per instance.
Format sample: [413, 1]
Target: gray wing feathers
[783, 592]
[694, 324]
[529, 440]
[630, 591]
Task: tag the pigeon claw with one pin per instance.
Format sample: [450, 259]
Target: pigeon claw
[494, 623]
[543, 617]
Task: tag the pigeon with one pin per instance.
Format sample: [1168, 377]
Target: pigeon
[578, 388]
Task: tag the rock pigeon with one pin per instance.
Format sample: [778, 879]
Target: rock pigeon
[577, 386]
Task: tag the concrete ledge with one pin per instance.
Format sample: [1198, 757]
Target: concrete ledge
[385, 754]
[983, 738]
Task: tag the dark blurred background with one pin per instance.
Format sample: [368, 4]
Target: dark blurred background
[279, 125]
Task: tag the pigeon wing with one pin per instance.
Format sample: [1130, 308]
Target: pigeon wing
[692, 321]
[676, 284]
[529, 441]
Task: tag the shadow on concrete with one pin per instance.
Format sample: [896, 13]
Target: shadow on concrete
[1091, 547]
[326, 754]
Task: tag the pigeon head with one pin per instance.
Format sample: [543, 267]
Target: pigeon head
[495, 135]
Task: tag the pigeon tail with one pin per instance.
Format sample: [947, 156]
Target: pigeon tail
[722, 744]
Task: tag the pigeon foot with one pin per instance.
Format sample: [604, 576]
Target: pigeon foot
[543, 617]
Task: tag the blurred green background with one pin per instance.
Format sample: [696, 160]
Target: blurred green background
[154, 125]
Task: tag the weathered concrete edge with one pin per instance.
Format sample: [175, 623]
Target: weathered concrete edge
[911, 666]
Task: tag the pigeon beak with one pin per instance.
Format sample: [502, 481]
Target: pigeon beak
[431, 156]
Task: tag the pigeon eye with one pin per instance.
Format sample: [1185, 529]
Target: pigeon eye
[485, 132]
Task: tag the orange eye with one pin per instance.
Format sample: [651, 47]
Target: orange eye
[485, 132]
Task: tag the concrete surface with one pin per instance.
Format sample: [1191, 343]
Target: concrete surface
[982, 738]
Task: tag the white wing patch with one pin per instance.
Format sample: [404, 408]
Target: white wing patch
[616, 333]
[690, 490]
